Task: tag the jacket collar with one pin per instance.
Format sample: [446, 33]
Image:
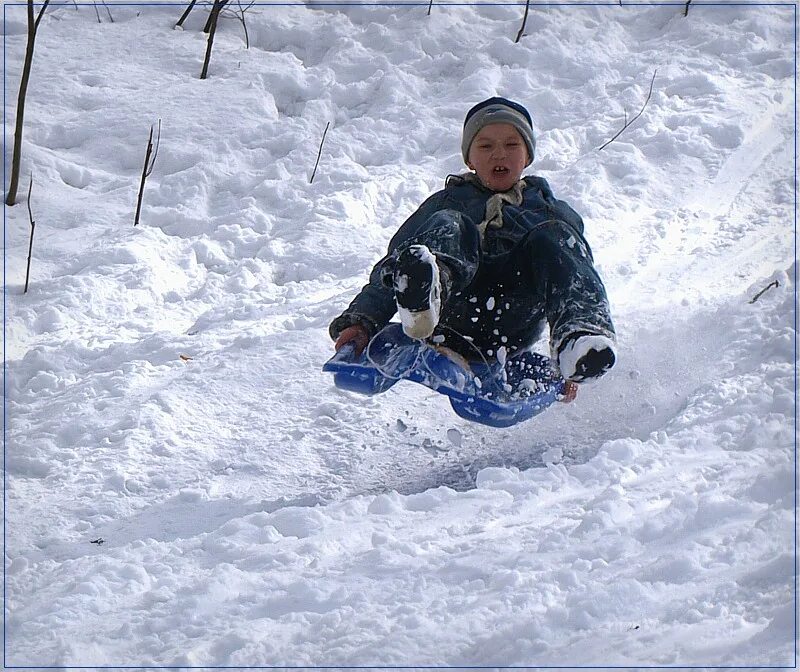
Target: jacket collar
[454, 180]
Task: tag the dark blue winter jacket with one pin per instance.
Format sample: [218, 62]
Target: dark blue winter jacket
[375, 304]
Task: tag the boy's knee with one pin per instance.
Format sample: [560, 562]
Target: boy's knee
[447, 220]
[458, 226]
[553, 239]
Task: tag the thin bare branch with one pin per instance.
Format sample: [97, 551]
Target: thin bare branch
[524, 21]
[155, 151]
[430, 5]
[97, 11]
[639, 114]
[30, 243]
[246, 34]
[41, 14]
[319, 154]
[686, 8]
[147, 169]
[241, 18]
[108, 11]
[772, 284]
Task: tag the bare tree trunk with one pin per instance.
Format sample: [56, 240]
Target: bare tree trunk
[16, 159]
[213, 18]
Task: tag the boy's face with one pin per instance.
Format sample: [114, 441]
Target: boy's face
[498, 155]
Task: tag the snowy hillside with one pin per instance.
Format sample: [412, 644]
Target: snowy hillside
[185, 487]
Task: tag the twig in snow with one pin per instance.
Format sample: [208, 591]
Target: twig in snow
[97, 11]
[772, 284]
[30, 244]
[686, 9]
[108, 11]
[149, 162]
[524, 21]
[628, 123]
[430, 5]
[319, 154]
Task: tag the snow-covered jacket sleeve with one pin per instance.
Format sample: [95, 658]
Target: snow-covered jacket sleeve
[374, 305]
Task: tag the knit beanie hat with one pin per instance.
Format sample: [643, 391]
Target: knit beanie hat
[498, 111]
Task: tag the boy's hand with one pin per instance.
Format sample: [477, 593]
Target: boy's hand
[570, 392]
[355, 334]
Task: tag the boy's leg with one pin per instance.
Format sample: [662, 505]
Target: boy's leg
[562, 273]
[442, 255]
[454, 240]
[418, 283]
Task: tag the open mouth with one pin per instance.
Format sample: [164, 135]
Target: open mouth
[500, 170]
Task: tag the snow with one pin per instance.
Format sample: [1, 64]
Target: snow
[185, 487]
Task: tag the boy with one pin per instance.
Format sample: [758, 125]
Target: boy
[483, 263]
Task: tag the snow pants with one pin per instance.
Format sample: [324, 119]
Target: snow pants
[504, 287]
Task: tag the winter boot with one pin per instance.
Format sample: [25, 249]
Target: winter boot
[583, 356]
[418, 291]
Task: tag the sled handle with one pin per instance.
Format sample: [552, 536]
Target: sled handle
[346, 354]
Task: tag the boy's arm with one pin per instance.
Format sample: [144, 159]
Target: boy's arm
[372, 308]
[374, 305]
[563, 211]
[561, 208]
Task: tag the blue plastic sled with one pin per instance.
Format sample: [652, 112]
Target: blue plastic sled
[492, 394]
